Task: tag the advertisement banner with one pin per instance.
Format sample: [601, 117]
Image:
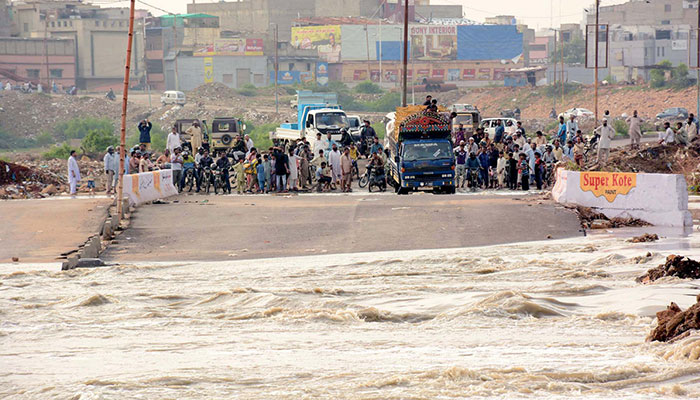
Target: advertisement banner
[469, 74]
[484, 74]
[374, 75]
[606, 184]
[498, 74]
[253, 47]
[423, 73]
[149, 186]
[439, 73]
[208, 70]
[359, 75]
[306, 76]
[433, 42]
[325, 39]
[285, 77]
[322, 73]
[392, 75]
[452, 75]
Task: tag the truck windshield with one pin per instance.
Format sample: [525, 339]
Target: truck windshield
[463, 119]
[427, 151]
[331, 120]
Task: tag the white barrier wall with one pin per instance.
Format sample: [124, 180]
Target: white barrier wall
[659, 199]
[149, 186]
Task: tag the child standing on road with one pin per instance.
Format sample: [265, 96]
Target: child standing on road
[261, 175]
[524, 172]
[267, 165]
[501, 169]
[240, 176]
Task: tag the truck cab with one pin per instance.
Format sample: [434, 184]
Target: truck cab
[467, 115]
[421, 152]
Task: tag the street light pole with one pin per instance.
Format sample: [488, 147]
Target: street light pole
[597, 21]
[405, 52]
[277, 68]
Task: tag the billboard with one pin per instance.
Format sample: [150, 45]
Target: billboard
[322, 73]
[285, 77]
[325, 39]
[433, 42]
[208, 70]
[231, 47]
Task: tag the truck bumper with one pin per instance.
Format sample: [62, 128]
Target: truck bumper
[428, 184]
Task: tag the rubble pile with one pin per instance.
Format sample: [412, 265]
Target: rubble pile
[678, 266]
[647, 237]
[213, 91]
[653, 158]
[29, 115]
[31, 178]
[674, 323]
[591, 219]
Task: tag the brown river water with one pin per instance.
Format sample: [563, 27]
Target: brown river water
[548, 320]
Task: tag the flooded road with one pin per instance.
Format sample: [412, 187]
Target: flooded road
[557, 319]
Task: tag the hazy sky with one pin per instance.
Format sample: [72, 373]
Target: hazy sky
[535, 13]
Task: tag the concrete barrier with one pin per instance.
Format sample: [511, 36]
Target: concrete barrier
[149, 186]
[659, 199]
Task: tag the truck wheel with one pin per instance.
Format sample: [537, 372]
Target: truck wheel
[402, 191]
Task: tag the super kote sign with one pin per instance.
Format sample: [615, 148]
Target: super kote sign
[607, 184]
[660, 199]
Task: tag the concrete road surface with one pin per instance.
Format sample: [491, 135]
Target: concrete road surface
[247, 227]
[40, 230]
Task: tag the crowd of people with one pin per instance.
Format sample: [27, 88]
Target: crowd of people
[30, 87]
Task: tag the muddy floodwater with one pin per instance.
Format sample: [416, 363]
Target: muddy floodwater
[549, 320]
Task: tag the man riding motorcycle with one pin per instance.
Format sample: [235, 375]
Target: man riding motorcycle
[224, 165]
[187, 164]
[205, 161]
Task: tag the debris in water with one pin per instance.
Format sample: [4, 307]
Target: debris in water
[678, 266]
[647, 237]
[676, 324]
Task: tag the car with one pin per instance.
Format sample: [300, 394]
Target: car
[489, 125]
[354, 126]
[223, 131]
[578, 113]
[673, 113]
[173, 97]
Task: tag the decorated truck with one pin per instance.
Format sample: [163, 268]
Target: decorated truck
[420, 151]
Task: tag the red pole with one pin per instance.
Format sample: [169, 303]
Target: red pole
[405, 52]
[122, 145]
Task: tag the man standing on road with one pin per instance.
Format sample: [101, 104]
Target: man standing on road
[195, 133]
[176, 162]
[281, 170]
[145, 133]
[346, 170]
[73, 172]
[561, 133]
[461, 155]
[318, 144]
[607, 133]
[173, 141]
[571, 127]
[500, 130]
[334, 161]
[635, 130]
[111, 164]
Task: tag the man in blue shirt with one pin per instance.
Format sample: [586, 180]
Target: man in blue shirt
[561, 133]
[500, 130]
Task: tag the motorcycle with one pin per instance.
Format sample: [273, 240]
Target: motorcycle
[548, 173]
[364, 179]
[207, 178]
[377, 179]
[219, 180]
[473, 175]
[189, 179]
[590, 146]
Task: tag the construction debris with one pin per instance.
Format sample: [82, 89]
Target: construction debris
[678, 266]
[675, 324]
[591, 219]
[647, 237]
[32, 178]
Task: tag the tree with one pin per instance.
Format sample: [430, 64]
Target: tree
[97, 141]
[658, 74]
[574, 52]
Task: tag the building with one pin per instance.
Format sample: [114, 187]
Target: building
[38, 61]
[99, 35]
[643, 12]
[5, 22]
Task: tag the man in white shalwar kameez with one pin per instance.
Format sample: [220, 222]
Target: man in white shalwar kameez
[73, 172]
[334, 161]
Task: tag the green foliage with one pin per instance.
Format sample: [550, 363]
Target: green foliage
[620, 127]
[680, 78]
[555, 89]
[78, 128]
[260, 134]
[62, 152]
[248, 90]
[97, 141]
[368, 87]
[9, 141]
[574, 52]
[387, 103]
[611, 79]
[45, 139]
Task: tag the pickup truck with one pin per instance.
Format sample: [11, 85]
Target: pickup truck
[420, 151]
[313, 118]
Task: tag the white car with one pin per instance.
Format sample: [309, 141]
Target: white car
[173, 97]
[578, 113]
[489, 126]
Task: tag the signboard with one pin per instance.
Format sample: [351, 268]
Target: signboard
[433, 42]
[452, 75]
[607, 184]
[285, 77]
[306, 76]
[498, 74]
[231, 47]
[322, 73]
[439, 73]
[359, 75]
[603, 39]
[423, 73]
[325, 39]
[208, 70]
[484, 74]
[679, 45]
[469, 74]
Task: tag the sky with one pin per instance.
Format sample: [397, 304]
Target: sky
[535, 13]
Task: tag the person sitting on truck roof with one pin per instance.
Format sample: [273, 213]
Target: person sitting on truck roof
[428, 100]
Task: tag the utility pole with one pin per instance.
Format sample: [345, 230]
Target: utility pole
[145, 64]
[561, 41]
[697, 68]
[175, 46]
[122, 145]
[46, 50]
[369, 71]
[554, 75]
[597, 39]
[277, 69]
[405, 51]
[380, 52]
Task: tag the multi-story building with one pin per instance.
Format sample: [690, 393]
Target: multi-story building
[644, 12]
[99, 35]
[38, 61]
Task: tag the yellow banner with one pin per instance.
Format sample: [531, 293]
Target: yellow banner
[325, 39]
[608, 184]
[208, 69]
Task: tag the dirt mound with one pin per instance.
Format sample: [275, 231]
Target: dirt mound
[213, 91]
[678, 266]
[675, 323]
[653, 158]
